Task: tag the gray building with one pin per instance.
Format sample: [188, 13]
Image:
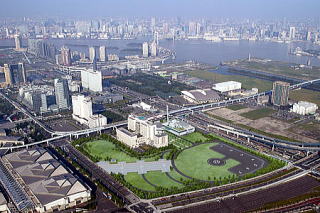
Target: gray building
[280, 93]
[61, 91]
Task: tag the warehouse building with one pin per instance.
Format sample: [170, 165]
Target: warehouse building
[36, 181]
[227, 86]
[200, 96]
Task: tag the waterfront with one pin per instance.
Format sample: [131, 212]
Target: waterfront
[198, 50]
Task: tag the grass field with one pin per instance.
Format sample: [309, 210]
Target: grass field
[105, 151]
[161, 179]
[305, 95]
[193, 162]
[247, 82]
[137, 181]
[196, 137]
[257, 114]
[236, 107]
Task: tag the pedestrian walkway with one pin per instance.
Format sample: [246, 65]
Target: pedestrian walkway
[140, 166]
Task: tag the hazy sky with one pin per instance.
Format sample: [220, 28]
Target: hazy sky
[142, 8]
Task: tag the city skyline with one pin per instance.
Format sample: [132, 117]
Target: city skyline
[164, 8]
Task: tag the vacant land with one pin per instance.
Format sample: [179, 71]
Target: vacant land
[258, 113]
[236, 107]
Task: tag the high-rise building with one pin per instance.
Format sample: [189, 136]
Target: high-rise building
[192, 28]
[102, 53]
[292, 33]
[145, 49]
[153, 48]
[61, 91]
[82, 112]
[92, 53]
[280, 93]
[91, 80]
[15, 74]
[65, 56]
[8, 75]
[17, 41]
[41, 48]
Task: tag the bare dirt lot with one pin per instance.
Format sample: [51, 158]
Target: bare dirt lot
[266, 124]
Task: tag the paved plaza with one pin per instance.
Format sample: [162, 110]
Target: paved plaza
[141, 167]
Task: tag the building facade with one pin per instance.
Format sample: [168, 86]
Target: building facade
[280, 93]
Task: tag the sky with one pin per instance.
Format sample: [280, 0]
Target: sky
[161, 8]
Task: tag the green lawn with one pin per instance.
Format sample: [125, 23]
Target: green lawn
[236, 107]
[193, 163]
[258, 113]
[137, 181]
[105, 150]
[305, 95]
[247, 82]
[161, 179]
[173, 173]
[196, 137]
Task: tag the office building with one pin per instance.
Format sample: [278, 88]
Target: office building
[41, 48]
[8, 75]
[145, 49]
[141, 131]
[292, 33]
[17, 41]
[38, 98]
[280, 93]
[304, 108]
[82, 112]
[91, 80]
[61, 91]
[65, 56]
[14, 74]
[153, 49]
[36, 181]
[92, 53]
[102, 53]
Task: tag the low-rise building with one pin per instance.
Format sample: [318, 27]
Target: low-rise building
[10, 140]
[304, 108]
[201, 96]
[40, 182]
[179, 127]
[227, 86]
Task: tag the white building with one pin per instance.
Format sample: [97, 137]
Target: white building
[82, 112]
[102, 53]
[145, 49]
[304, 108]
[227, 86]
[92, 53]
[141, 131]
[91, 80]
[179, 127]
[153, 49]
[144, 106]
